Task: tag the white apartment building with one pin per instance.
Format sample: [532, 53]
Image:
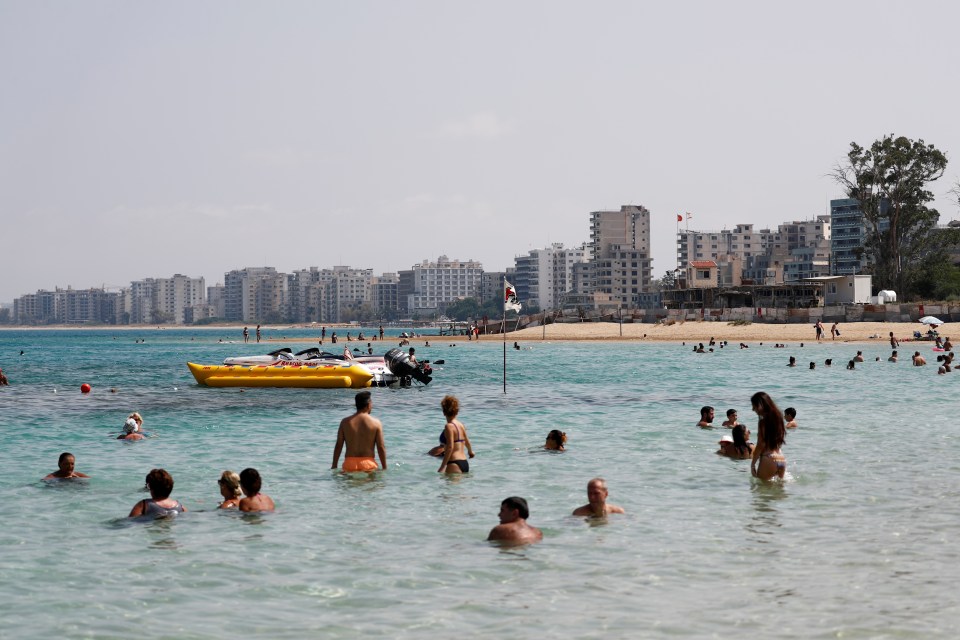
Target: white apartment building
[543, 276]
[346, 291]
[433, 285]
[240, 292]
[163, 300]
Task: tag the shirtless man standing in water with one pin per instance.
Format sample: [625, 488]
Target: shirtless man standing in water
[361, 432]
[597, 506]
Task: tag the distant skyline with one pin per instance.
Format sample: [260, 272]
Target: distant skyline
[141, 140]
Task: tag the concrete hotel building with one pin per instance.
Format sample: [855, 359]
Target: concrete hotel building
[620, 252]
[543, 276]
[430, 286]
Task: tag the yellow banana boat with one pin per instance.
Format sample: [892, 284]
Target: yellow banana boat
[323, 376]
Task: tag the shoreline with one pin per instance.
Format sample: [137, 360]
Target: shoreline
[690, 331]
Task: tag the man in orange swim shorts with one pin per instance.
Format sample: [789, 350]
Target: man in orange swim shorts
[361, 432]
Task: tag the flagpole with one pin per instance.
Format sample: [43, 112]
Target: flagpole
[504, 331]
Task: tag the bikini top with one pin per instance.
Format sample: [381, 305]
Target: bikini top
[460, 431]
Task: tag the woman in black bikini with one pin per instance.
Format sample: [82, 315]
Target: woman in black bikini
[767, 461]
[455, 434]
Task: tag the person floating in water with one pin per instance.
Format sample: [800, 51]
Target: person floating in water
[731, 420]
[790, 417]
[230, 490]
[706, 417]
[160, 504]
[597, 505]
[66, 470]
[556, 440]
[513, 527]
[130, 431]
[360, 432]
[3, 379]
[254, 500]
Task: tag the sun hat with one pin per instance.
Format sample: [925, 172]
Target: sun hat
[130, 426]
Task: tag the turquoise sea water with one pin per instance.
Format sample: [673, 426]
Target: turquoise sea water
[859, 543]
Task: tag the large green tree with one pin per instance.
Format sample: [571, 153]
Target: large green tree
[890, 179]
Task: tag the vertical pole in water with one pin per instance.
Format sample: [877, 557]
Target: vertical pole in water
[504, 328]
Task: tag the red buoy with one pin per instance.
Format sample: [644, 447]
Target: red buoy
[85, 388]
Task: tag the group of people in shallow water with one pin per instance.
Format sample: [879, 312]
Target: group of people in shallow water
[766, 459]
[359, 437]
[239, 491]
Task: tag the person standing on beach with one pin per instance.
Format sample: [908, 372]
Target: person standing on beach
[597, 505]
[894, 343]
[768, 462]
[819, 328]
[360, 432]
[834, 331]
[513, 527]
[246, 334]
[381, 332]
[706, 417]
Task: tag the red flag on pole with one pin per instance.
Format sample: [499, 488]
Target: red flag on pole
[679, 218]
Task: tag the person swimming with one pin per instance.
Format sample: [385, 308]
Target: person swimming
[66, 468]
[556, 440]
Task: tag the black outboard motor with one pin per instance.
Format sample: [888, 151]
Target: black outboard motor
[398, 361]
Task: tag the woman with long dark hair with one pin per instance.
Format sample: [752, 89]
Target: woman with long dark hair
[768, 462]
[737, 445]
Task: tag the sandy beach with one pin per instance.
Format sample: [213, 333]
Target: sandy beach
[690, 331]
[703, 331]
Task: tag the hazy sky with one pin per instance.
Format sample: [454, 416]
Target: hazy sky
[143, 139]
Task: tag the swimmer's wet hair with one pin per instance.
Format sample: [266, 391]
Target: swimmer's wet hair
[790, 412]
[518, 503]
[65, 455]
[160, 483]
[705, 410]
[730, 412]
[450, 405]
[250, 481]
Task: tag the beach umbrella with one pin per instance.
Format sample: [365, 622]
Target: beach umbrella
[931, 320]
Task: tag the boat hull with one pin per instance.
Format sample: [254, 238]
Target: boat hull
[325, 376]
